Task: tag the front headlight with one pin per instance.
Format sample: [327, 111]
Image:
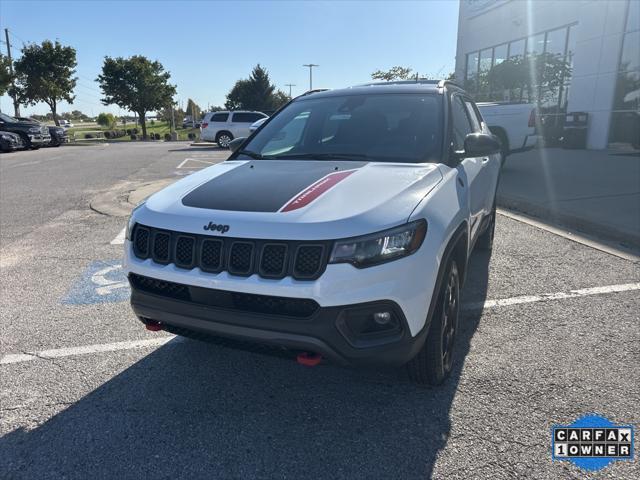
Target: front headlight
[380, 247]
[34, 130]
[131, 222]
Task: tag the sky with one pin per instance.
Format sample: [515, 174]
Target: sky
[208, 45]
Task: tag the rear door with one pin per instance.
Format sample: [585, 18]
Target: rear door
[241, 122]
[470, 168]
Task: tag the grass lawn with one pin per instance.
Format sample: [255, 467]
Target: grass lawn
[158, 127]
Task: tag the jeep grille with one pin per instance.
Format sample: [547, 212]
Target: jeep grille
[301, 260]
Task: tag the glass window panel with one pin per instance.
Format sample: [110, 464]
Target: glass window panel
[571, 44]
[627, 91]
[633, 17]
[485, 59]
[516, 48]
[535, 44]
[630, 52]
[556, 40]
[500, 54]
[472, 65]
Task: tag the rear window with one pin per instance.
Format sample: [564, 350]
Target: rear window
[219, 117]
[246, 117]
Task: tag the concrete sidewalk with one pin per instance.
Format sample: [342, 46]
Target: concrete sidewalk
[596, 192]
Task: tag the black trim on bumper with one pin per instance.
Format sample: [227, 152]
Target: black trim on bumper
[323, 332]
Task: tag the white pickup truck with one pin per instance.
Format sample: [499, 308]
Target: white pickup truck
[513, 123]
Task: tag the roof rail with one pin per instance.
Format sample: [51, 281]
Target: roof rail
[315, 90]
[442, 83]
[400, 82]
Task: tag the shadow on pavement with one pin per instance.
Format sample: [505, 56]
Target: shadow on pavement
[192, 409]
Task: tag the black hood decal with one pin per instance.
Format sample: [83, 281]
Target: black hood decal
[262, 185]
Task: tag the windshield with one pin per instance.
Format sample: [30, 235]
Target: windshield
[376, 127]
[7, 118]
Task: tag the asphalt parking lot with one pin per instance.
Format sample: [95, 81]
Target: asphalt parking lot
[550, 332]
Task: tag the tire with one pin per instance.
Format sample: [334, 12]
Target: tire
[434, 362]
[223, 139]
[485, 241]
[25, 141]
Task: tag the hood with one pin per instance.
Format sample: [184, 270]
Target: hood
[281, 199]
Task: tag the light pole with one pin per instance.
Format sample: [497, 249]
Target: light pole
[310, 65]
[289, 85]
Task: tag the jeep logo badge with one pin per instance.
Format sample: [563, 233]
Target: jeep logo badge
[217, 227]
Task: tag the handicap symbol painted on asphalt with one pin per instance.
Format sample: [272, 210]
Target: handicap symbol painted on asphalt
[101, 282]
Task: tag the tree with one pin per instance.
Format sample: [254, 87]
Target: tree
[394, 73]
[44, 73]
[255, 93]
[5, 74]
[106, 120]
[136, 84]
[193, 109]
[164, 115]
[533, 78]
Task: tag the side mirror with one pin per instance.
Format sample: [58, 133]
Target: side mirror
[235, 143]
[481, 145]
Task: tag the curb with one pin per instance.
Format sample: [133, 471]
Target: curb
[119, 200]
[581, 224]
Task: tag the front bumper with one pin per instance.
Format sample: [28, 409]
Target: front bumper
[39, 140]
[342, 334]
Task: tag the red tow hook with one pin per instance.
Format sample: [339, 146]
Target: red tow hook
[153, 326]
[309, 359]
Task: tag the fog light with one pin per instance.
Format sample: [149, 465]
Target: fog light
[382, 318]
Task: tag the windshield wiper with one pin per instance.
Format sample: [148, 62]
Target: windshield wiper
[254, 155]
[323, 156]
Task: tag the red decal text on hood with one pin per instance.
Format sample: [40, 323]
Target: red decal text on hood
[314, 190]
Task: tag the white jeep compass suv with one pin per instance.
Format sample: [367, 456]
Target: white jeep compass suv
[222, 127]
[341, 229]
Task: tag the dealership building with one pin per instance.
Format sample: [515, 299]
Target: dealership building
[599, 38]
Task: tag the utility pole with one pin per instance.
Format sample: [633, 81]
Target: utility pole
[289, 85]
[16, 105]
[310, 65]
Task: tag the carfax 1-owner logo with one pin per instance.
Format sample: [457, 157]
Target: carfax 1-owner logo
[592, 442]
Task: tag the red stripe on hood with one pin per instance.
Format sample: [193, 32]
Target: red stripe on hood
[314, 190]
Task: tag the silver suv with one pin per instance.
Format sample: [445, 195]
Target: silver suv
[222, 127]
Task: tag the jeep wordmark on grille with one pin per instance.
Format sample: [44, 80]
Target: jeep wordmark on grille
[341, 229]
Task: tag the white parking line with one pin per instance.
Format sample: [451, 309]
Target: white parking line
[84, 350]
[186, 160]
[158, 342]
[507, 302]
[119, 240]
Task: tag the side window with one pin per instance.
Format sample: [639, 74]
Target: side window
[219, 117]
[476, 119]
[460, 120]
[246, 117]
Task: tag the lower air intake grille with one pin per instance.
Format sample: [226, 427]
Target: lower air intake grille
[245, 302]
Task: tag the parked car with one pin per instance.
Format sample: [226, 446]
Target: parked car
[222, 127]
[58, 136]
[65, 123]
[255, 125]
[34, 135]
[342, 228]
[188, 122]
[513, 123]
[10, 141]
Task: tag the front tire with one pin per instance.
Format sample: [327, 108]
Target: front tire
[434, 362]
